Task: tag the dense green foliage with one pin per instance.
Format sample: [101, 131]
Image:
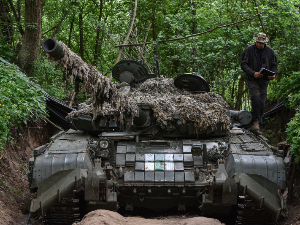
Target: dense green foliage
[6, 51]
[290, 88]
[92, 29]
[19, 101]
[49, 77]
[293, 135]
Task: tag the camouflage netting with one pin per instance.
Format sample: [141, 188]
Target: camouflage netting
[96, 84]
[203, 110]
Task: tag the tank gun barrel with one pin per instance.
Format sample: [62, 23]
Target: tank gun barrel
[93, 82]
[53, 48]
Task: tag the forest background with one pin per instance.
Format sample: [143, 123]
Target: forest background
[204, 36]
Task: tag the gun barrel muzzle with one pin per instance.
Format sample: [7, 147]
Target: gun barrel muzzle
[243, 117]
[53, 48]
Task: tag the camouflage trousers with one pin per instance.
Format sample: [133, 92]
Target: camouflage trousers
[258, 95]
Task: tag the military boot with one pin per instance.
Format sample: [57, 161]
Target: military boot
[255, 127]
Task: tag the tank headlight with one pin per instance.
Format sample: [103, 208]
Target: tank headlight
[103, 143]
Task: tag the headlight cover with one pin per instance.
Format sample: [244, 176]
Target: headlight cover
[103, 143]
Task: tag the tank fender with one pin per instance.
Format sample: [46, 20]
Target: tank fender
[94, 181]
[269, 166]
[228, 185]
[56, 187]
[221, 175]
[266, 193]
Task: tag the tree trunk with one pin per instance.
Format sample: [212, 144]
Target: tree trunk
[98, 34]
[17, 17]
[153, 21]
[81, 36]
[278, 78]
[145, 40]
[194, 31]
[6, 29]
[32, 35]
[232, 90]
[238, 104]
[71, 30]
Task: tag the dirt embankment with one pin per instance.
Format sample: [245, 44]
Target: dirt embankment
[105, 217]
[15, 196]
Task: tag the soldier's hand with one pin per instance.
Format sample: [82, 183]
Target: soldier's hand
[271, 77]
[258, 75]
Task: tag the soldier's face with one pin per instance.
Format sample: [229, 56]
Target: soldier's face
[260, 45]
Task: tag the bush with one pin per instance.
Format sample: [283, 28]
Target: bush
[273, 91]
[290, 88]
[19, 101]
[6, 52]
[49, 77]
[293, 136]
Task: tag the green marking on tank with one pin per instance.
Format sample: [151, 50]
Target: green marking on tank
[159, 166]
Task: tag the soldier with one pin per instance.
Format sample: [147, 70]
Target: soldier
[254, 58]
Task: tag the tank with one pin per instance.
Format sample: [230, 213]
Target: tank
[156, 143]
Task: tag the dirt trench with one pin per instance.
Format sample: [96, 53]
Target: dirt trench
[15, 196]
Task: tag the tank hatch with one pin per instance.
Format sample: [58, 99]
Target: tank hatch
[192, 82]
[130, 71]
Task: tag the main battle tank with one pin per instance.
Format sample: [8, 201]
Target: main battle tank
[131, 147]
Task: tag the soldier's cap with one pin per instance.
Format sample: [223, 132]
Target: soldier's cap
[261, 37]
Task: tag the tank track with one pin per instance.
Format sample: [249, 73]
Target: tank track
[65, 212]
[249, 213]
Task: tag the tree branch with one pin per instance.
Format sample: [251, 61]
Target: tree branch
[57, 26]
[223, 55]
[111, 37]
[261, 23]
[180, 6]
[16, 17]
[192, 35]
[206, 73]
[237, 26]
[53, 124]
[127, 36]
[143, 47]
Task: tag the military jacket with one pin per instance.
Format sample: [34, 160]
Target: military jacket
[249, 60]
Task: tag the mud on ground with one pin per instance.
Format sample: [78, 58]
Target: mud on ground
[104, 217]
